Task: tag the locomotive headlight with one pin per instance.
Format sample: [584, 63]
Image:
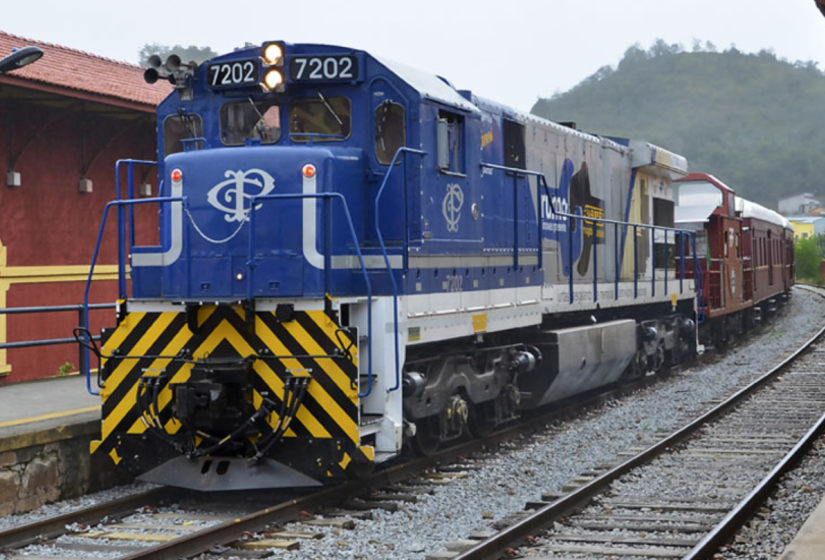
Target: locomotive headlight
[308, 171]
[273, 80]
[177, 175]
[273, 54]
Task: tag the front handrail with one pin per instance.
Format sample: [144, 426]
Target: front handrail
[121, 267]
[250, 262]
[121, 223]
[405, 251]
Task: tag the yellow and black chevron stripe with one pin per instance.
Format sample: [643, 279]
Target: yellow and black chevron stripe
[310, 344]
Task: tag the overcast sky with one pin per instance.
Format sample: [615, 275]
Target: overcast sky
[512, 51]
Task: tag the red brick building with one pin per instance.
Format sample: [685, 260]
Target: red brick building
[64, 122]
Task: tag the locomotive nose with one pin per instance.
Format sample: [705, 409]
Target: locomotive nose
[249, 222]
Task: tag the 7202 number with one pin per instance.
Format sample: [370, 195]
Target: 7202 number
[323, 68]
[242, 72]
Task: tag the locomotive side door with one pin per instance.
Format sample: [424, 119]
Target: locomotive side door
[389, 133]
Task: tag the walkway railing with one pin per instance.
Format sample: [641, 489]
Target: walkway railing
[81, 311]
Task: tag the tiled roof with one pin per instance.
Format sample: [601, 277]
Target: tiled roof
[77, 70]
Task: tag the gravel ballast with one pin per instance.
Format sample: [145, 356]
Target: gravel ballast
[521, 472]
[545, 463]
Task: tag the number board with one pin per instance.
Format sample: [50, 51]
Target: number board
[232, 74]
[324, 68]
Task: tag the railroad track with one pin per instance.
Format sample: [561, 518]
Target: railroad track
[686, 495]
[143, 526]
[161, 532]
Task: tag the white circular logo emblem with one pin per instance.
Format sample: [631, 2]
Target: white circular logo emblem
[231, 196]
[451, 206]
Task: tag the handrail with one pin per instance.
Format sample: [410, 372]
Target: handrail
[121, 267]
[250, 263]
[540, 176]
[51, 341]
[377, 214]
[121, 223]
[581, 217]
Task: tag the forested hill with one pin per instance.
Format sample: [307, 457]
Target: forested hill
[754, 121]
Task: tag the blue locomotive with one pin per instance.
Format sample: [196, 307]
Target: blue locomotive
[356, 257]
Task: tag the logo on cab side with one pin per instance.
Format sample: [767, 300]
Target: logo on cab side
[451, 206]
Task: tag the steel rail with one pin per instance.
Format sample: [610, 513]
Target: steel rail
[23, 535]
[38, 531]
[513, 536]
[230, 531]
[227, 532]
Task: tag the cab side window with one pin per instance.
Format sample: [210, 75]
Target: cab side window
[450, 141]
[177, 128]
[514, 148]
[390, 131]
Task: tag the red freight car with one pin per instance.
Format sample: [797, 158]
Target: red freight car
[746, 254]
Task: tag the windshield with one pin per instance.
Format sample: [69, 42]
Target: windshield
[697, 193]
[322, 118]
[250, 119]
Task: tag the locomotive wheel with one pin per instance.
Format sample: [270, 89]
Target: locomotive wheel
[426, 440]
[482, 420]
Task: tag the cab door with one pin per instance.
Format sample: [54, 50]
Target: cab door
[389, 112]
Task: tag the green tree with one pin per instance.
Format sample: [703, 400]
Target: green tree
[808, 260]
[753, 120]
[192, 52]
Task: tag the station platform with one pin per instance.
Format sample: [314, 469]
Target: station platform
[46, 427]
[809, 542]
[46, 411]
[46, 404]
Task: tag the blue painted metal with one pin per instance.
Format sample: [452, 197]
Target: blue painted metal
[333, 195]
[387, 258]
[121, 266]
[191, 144]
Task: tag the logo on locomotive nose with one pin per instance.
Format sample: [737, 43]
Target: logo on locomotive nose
[233, 198]
[451, 206]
